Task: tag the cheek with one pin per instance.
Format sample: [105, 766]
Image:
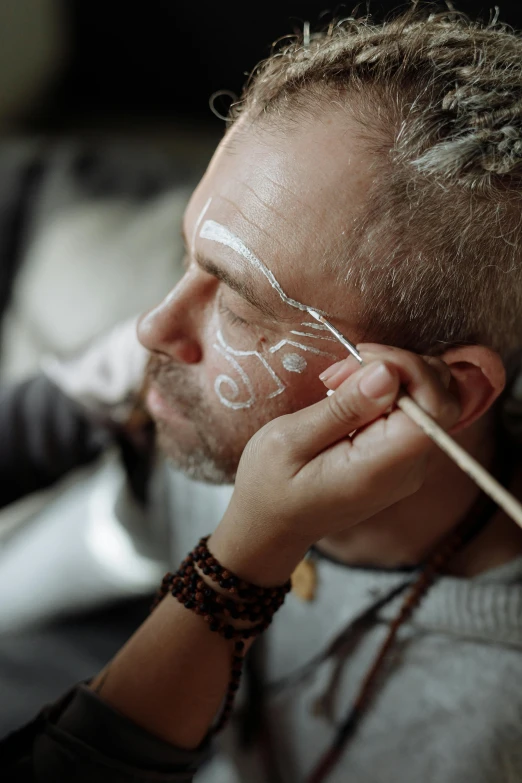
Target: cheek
[246, 377]
[243, 372]
[278, 381]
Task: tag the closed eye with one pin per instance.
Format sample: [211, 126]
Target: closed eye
[232, 318]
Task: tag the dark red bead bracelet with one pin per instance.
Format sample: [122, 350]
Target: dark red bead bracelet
[241, 601]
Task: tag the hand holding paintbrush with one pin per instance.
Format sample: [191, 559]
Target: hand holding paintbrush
[465, 461]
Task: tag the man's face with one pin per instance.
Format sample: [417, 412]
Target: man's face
[231, 348]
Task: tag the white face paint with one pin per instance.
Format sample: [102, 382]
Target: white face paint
[303, 347]
[310, 325]
[197, 225]
[314, 336]
[224, 380]
[292, 362]
[218, 233]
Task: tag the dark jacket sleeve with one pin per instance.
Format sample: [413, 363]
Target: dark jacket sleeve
[43, 435]
[81, 739]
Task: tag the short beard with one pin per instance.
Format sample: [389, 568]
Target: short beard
[208, 459]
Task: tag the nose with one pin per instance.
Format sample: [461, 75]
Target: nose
[172, 328]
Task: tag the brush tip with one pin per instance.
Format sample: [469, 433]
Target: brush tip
[315, 314]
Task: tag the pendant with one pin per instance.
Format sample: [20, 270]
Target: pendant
[304, 580]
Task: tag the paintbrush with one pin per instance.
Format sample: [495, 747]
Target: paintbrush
[465, 461]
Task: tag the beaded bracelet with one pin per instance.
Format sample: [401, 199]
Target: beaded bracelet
[251, 603]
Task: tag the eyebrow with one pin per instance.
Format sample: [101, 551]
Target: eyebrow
[241, 287]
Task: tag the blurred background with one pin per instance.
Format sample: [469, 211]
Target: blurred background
[105, 128]
[104, 125]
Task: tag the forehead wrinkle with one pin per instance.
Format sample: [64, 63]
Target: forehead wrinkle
[264, 203]
[212, 268]
[302, 204]
[257, 227]
[252, 222]
[301, 240]
[217, 232]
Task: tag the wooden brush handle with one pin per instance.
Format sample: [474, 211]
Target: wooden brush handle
[465, 461]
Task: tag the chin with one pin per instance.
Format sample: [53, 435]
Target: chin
[194, 458]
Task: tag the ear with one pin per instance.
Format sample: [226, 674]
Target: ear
[478, 378]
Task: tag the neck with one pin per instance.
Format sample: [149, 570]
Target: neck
[404, 534]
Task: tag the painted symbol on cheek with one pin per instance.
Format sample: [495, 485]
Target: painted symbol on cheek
[314, 336]
[294, 363]
[319, 327]
[302, 346]
[222, 380]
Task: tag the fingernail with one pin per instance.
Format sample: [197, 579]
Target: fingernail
[329, 371]
[376, 382]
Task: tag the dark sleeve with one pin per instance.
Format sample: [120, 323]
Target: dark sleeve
[83, 740]
[43, 435]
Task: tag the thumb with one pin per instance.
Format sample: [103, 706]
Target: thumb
[361, 399]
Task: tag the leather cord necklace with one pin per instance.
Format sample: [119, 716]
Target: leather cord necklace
[416, 585]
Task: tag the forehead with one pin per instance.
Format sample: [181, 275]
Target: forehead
[291, 195]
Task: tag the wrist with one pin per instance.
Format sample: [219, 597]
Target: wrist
[258, 559]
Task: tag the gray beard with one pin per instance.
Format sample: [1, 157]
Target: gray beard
[200, 463]
[207, 459]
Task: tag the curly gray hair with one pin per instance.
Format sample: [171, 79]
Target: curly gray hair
[438, 98]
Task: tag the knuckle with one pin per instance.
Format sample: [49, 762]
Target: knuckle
[418, 363]
[413, 476]
[345, 408]
[277, 436]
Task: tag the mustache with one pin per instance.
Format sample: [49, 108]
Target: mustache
[174, 384]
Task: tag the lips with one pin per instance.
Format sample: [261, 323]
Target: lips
[172, 392]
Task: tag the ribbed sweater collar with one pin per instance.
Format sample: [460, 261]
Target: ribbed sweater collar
[487, 607]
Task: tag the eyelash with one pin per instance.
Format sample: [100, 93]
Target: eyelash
[233, 319]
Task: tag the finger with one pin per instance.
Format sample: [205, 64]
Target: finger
[422, 381]
[333, 376]
[331, 370]
[361, 399]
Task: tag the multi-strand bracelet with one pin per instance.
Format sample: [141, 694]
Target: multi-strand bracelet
[238, 600]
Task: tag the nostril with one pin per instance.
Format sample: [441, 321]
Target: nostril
[186, 351]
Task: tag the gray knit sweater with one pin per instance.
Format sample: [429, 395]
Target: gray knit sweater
[449, 707]
[447, 710]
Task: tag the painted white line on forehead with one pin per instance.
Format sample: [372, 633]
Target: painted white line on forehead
[197, 225]
[218, 233]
